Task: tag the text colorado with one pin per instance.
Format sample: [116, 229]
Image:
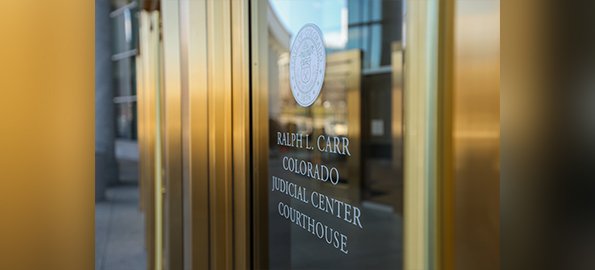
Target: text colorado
[312, 170]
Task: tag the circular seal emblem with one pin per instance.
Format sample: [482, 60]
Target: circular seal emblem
[307, 64]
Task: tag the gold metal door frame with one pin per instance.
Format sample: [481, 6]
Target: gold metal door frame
[260, 133]
[150, 131]
[469, 127]
[215, 113]
[242, 226]
[193, 69]
[421, 137]
[172, 212]
[445, 232]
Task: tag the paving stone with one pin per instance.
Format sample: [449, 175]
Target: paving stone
[119, 231]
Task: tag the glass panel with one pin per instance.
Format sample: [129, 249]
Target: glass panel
[125, 40]
[335, 165]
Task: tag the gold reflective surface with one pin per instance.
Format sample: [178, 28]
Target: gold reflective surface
[215, 133]
[47, 135]
[172, 137]
[421, 136]
[476, 134]
[149, 73]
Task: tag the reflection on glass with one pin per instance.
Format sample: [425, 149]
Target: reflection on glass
[358, 115]
[124, 43]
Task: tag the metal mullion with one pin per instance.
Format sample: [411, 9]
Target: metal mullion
[219, 113]
[173, 214]
[241, 134]
[193, 44]
[259, 130]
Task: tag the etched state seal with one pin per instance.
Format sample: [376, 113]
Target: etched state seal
[307, 65]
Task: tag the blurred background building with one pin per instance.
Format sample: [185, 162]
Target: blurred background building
[119, 221]
[116, 124]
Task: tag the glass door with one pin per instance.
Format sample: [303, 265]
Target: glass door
[333, 171]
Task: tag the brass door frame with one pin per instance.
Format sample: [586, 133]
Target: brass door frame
[470, 130]
[172, 212]
[445, 247]
[193, 54]
[215, 112]
[260, 133]
[149, 133]
[242, 225]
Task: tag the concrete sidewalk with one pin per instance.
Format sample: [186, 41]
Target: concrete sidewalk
[119, 231]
